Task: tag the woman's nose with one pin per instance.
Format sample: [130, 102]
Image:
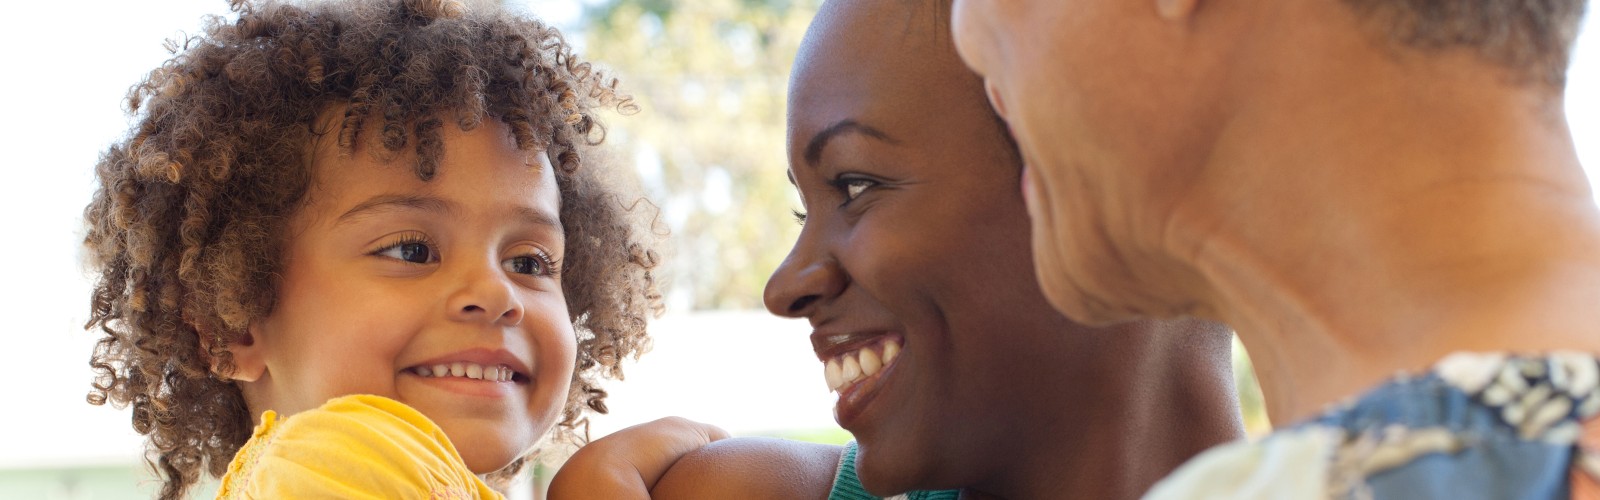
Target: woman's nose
[799, 284]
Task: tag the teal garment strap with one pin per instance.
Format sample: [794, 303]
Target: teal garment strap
[847, 486]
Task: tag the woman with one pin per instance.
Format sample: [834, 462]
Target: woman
[913, 267]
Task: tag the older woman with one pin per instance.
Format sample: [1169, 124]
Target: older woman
[1362, 188]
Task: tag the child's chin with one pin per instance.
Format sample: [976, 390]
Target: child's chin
[487, 461]
[485, 450]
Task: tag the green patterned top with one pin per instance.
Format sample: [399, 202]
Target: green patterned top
[847, 486]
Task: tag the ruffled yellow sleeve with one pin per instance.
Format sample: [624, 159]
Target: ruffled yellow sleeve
[351, 447]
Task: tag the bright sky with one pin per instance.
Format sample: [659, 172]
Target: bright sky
[70, 65]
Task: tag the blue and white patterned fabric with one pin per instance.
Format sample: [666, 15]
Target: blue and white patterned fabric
[1490, 426]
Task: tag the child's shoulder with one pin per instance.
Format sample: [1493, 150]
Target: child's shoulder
[354, 447]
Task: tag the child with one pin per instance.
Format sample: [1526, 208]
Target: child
[372, 231]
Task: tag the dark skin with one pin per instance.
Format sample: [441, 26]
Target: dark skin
[915, 231]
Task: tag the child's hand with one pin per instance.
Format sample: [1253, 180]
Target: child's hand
[627, 464]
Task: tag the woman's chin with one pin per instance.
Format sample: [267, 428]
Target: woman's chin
[885, 476]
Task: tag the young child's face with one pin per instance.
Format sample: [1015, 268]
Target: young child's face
[388, 278]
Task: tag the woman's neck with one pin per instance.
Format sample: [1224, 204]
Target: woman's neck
[1146, 418]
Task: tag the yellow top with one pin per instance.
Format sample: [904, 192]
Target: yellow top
[352, 447]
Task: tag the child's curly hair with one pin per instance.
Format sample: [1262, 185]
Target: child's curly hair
[188, 222]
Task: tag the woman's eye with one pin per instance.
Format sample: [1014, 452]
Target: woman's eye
[854, 187]
[532, 265]
[413, 252]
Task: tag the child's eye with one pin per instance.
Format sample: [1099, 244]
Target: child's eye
[415, 252]
[799, 217]
[532, 265]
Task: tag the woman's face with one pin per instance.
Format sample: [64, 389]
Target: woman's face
[913, 266]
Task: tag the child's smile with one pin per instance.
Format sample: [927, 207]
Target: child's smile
[478, 372]
[443, 294]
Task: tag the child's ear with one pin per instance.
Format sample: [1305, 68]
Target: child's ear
[249, 363]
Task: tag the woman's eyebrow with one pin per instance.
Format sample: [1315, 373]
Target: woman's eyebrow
[849, 125]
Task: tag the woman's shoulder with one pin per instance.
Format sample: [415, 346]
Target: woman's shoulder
[358, 446]
[1475, 426]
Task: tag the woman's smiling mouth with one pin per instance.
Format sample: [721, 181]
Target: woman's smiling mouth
[851, 367]
[856, 366]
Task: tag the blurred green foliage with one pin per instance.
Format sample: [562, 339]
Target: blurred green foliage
[1251, 405]
[709, 77]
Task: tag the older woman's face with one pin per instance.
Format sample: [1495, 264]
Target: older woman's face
[1097, 97]
[914, 265]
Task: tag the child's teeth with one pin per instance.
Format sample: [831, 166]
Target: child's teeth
[891, 349]
[869, 363]
[474, 371]
[833, 374]
[852, 369]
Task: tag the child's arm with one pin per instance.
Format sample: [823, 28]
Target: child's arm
[628, 463]
[677, 458]
[752, 468]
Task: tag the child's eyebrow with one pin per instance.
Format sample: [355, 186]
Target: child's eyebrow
[540, 218]
[386, 202]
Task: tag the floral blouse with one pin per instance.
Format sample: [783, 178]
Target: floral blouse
[1492, 426]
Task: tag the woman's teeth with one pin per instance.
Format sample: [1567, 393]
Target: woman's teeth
[859, 364]
[501, 373]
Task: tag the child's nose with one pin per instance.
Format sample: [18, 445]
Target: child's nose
[486, 296]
